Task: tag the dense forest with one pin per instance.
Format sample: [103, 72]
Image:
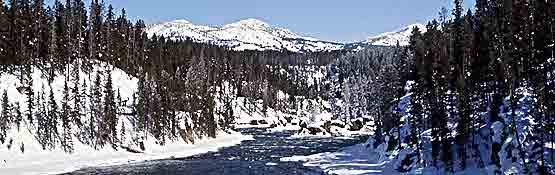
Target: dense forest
[474, 91]
[480, 91]
[178, 81]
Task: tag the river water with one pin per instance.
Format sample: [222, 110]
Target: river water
[252, 157]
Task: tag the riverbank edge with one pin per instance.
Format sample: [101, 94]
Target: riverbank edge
[56, 162]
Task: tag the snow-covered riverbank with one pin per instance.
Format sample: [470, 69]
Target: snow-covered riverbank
[356, 159]
[37, 161]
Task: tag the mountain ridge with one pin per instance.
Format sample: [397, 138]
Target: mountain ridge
[255, 34]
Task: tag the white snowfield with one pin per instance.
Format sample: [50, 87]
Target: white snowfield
[254, 34]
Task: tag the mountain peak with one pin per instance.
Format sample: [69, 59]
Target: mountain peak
[401, 35]
[251, 23]
[181, 21]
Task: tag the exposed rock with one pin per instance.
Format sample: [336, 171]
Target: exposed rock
[356, 125]
[303, 125]
[187, 135]
[289, 119]
[327, 126]
[340, 125]
[314, 130]
[131, 150]
[142, 145]
[254, 122]
[262, 122]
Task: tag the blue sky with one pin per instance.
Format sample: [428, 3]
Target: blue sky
[333, 20]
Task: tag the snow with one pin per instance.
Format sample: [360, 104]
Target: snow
[37, 161]
[390, 38]
[271, 164]
[356, 159]
[285, 128]
[248, 34]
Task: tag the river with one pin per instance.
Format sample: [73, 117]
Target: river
[252, 157]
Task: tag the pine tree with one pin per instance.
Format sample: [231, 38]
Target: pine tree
[42, 119]
[95, 32]
[76, 95]
[28, 83]
[62, 52]
[67, 143]
[109, 132]
[459, 81]
[4, 35]
[80, 28]
[107, 43]
[95, 121]
[416, 109]
[53, 116]
[5, 117]
[122, 138]
[141, 105]
[14, 32]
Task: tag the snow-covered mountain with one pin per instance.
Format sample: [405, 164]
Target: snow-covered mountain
[254, 34]
[249, 34]
[390, 38]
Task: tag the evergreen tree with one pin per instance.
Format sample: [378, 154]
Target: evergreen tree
[28, 87]
[109, 132]
[459, 81]
[5, 117]
[4, 35]
[42, 119]
[66, 138]
[95, 121]
[52, 132]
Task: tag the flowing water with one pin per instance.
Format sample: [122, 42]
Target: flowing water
[257, 157]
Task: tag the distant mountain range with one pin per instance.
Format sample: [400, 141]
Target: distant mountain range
[254, 34]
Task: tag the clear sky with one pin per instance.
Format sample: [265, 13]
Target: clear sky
[333, 20]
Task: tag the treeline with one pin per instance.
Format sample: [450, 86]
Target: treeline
[182, 86]
[480, 91]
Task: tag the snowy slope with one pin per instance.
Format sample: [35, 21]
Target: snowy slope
[390, 38]
[249, 34]
[23, 154]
